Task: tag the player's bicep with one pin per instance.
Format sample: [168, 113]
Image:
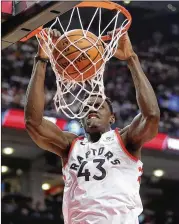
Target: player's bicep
[142, 129]
[49, 137]
[44, 143]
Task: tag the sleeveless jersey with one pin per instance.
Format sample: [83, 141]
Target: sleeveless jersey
[102, 182]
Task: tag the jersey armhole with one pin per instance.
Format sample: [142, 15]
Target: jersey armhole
[120, 141]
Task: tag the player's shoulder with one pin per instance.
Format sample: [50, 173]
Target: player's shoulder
[70, 136]
[123, 130]
[73, 137]
[123, 133]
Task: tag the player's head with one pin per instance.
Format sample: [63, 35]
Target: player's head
[100, 120]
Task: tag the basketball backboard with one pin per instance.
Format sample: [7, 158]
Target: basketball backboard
[19, 18]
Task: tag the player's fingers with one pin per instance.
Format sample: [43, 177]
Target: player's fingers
[47, 30]
[111, 33]
[44, 33]
[51, 32]
[56, 33]
[124, 37]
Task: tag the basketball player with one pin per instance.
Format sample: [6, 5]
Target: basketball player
[101, 171]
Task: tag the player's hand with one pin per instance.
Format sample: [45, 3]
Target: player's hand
[42, 48]
[124, 50]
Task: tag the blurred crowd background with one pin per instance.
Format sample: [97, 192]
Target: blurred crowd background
[158, 51]
[21, 209]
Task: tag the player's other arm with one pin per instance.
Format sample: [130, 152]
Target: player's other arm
[144, 127]
[43, 132]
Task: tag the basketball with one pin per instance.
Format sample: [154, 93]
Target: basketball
[81, 51]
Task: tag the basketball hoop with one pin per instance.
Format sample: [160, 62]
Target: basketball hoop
[69, 97]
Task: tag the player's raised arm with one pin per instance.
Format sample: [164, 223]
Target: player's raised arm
[43, 132]
[145, 125]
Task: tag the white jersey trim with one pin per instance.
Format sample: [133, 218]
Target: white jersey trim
[121, 143]
[71, 148]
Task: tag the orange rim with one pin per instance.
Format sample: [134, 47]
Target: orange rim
[110, 6]
[100, 4]
[32, 34]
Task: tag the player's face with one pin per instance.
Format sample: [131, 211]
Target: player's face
[97, 121]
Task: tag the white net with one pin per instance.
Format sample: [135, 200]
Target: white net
[74, 92]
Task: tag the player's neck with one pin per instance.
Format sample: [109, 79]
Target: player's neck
[94, 137]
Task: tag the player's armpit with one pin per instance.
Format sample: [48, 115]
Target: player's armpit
[142, 129]
[49, 137]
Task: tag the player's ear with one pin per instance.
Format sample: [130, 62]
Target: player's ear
[112, 119]
[81, 123]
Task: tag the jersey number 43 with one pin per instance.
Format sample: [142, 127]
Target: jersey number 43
[86, 173]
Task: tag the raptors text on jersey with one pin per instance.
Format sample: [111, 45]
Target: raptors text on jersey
[101, 182]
